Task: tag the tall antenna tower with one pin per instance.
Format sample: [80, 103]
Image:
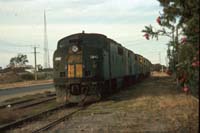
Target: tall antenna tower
[46, 50]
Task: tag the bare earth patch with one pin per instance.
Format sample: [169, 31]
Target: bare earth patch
[20, 95]
[24, 84]
[10, 114]
[154, 105]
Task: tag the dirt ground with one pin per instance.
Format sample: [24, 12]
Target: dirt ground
[12, 113]
[9, 77]
[24, 83]
[154, 105]
[7, 97]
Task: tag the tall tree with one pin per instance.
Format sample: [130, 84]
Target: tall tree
[179, 20]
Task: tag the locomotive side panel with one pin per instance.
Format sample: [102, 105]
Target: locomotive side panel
[137, 67]
[125, 63]
[131, 63]
[116, 59]
[105, 64]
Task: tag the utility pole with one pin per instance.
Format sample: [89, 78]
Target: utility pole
[35, 57]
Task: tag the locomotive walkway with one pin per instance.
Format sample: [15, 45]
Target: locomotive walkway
[154, 105]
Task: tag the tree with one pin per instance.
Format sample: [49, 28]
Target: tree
[39, 67]
[18, 61]
[180, 18]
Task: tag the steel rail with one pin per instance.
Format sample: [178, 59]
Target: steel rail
[16, 103]
[52, 124]
[44, 100]
[18, 122]
[24, 101]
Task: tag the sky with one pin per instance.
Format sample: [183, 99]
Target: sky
[22, 25]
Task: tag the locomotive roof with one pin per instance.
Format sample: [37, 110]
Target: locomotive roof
[142, 57]
[101, 35]
[81, 34]
[114, 41]
[138, 55]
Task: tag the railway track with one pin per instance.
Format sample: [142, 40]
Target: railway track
[29, 102]
[59, 120]
[35, 102]
[18, 122]
[16, 103]
[15, 124]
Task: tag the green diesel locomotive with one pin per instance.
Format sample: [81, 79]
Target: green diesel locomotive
[90, 66]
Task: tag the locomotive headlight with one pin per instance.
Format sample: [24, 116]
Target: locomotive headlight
[94, 57]
[57, 58]
[74, 48]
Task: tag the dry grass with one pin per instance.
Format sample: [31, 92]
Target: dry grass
[9, 77]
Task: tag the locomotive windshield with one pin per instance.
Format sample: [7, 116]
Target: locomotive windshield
[75, 69]
[74, 63]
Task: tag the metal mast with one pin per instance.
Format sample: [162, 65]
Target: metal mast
[46, 50]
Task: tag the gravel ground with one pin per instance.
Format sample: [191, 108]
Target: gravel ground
[154, 105]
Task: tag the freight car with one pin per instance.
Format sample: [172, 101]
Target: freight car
[90, 66]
